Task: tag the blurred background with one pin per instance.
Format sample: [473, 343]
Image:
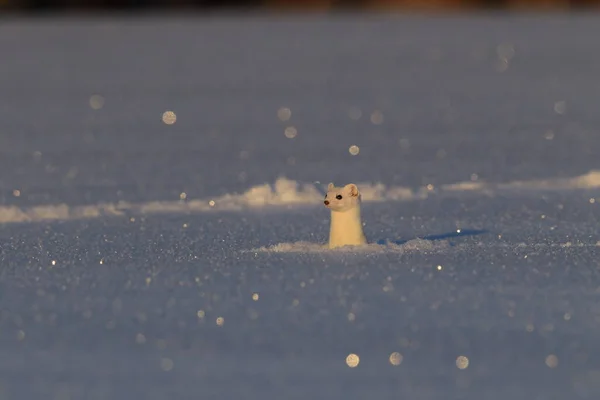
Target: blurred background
[380, 5]
[150, 250]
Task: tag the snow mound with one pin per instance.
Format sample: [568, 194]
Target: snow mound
[284, 192]
[591, 180]
[417, 245]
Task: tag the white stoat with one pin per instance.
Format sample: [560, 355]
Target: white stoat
[346, 226]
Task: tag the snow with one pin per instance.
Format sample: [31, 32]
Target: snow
[284, 192]
[421, 245]
[150, 259]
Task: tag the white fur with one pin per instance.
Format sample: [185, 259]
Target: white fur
[346, 225]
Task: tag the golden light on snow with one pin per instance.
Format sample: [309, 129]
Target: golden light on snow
[396, 358]
[166, 364]
[552, 361]
[284, 114]
[220, 321]
[169, 117]
[462, 362]
[354, 149]
[377, 117]
[16, 193]
[352, 360]
[96, 101]
[290, 132]
[255, 296]
[560, 107]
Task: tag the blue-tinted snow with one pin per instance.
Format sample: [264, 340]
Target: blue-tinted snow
[113, 287]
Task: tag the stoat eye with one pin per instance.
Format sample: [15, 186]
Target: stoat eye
[339, 197]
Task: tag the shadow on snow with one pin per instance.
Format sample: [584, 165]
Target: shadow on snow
[441, 236]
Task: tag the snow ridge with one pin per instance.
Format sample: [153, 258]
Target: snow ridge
[284, 192]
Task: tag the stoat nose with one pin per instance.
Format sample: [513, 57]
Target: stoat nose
[326, 202]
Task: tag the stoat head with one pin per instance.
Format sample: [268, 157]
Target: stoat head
[342, 198]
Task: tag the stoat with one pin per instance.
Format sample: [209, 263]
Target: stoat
[346, 225]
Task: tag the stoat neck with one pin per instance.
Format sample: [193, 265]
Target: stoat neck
[346, 217]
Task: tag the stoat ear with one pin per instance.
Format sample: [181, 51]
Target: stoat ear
[330, 186]
[352, 189]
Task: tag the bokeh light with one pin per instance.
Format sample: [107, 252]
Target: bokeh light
[377, 117]
[96, 102]
[169, 117]
[552, 361]
[396, 358]
[284, 114]
[560, 107]
[462, 362]
[290, 132]
[352, 360]
[166, 364]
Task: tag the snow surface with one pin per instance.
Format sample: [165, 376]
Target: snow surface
[152, 261]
